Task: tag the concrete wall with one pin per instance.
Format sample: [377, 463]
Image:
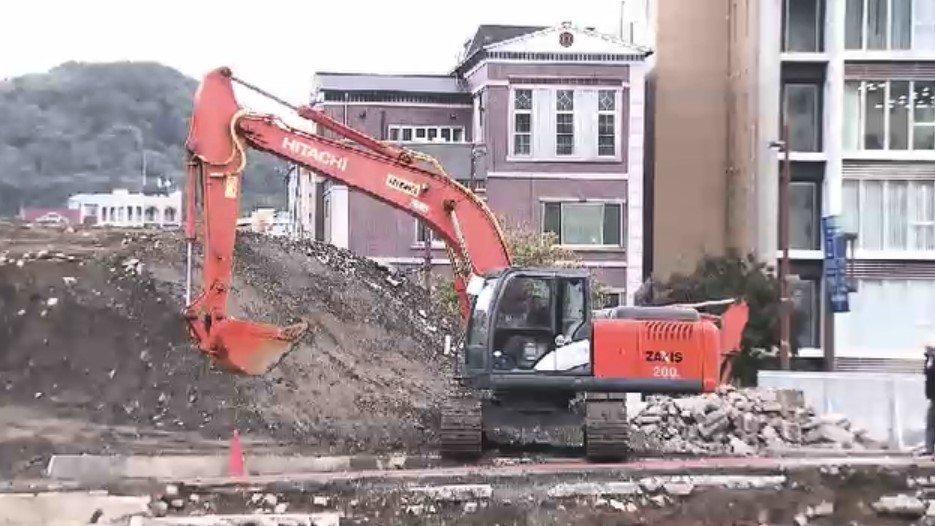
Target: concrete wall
[705, 131]
[891, 407]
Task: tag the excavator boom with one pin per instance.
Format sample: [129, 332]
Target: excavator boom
[220, 132]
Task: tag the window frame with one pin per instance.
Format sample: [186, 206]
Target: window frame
[436, 243]
[815, 213]
[546, 150]
[816, 90]
[621, 203]
[819, 28]
[911, 224]
[560, 112]
[891, 22]
[514, 111]
[860, 120]
[414, 129]
[816, 304]
[613, 113]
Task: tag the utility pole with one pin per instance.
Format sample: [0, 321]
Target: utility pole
[785, 306]
[427, 256]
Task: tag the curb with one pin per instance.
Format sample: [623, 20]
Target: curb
[110, 468]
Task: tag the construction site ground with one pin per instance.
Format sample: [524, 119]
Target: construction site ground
[825, 491]
[94, 360]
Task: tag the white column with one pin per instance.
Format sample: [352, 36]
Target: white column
[834, 106]
[635, 151]
[340, 235]
[767, 179]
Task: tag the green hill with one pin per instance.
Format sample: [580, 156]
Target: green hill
[71, 130]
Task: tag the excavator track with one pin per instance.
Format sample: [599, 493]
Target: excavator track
[606, 430]
[462, 428]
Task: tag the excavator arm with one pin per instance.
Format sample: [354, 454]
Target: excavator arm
[219, 134]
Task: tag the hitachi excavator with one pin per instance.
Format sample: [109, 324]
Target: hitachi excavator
[533, 348]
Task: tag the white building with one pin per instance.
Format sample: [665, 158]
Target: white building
[856, 79]
[121, 208]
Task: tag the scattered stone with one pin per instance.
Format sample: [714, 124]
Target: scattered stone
[824, 509]
[678, 489]
[741, 422]
[901, 505]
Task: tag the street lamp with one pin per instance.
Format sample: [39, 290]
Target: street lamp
[785, 308]
[138, 135]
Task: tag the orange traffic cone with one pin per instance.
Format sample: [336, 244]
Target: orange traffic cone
[235, 460]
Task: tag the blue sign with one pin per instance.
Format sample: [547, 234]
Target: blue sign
[835, 249]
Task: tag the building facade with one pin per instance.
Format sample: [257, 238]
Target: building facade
[855, 80]
[121, 208]
[545, 123]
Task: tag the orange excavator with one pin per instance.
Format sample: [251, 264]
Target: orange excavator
[533, 349]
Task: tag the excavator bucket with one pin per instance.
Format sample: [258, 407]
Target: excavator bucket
[252, 348]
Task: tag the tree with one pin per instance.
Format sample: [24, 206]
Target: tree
[70, 131]
[733, 276]
[528, 248]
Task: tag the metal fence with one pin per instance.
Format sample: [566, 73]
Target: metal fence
[890, 406]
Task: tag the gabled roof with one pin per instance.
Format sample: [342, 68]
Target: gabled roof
[532, 39]
[489, 34]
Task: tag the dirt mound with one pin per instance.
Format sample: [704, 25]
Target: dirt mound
[90, 328]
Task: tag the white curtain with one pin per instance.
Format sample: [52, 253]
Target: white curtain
[923, 16]
[889, 315]
[851, 205]
[871, 216]
[897, 224]
[582, 223]
[923, 193]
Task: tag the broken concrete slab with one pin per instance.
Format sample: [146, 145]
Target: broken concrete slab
[456, 492]
[593, 489]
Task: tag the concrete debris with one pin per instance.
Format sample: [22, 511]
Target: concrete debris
[900, 505]
[741, 422]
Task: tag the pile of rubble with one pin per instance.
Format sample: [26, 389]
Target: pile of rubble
[741, 422]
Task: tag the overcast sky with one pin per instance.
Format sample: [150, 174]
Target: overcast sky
[276, 44]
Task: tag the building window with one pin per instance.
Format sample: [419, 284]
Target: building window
[572, 125]
[876, 25]
[804, 216]
[806, 312]
[891, 215]
[611, 298]
[522, 122]
[606, 123]
[584, 223]
[802, 26]
[889, 115]
[423, 233]
[565, 122]
[427, 133]
[802, 109]
[890, 314]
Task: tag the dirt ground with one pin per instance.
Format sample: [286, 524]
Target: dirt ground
[94, 356]
[818, 496]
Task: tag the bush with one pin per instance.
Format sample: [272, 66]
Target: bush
[733, 276]
[528, 248]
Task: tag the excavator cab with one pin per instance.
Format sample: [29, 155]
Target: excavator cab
[520, 317]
